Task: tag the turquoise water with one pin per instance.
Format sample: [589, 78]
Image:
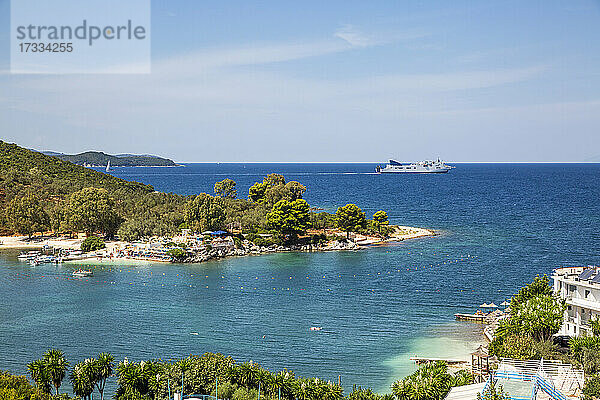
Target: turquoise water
[500, 225]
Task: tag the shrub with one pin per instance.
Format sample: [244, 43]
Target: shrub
[513, 346]
[177, 254]
[493, 393]
[591, 390]
[358, 393]
[18, 387]
[430, 382]
[92, 243]
[238, 242]
[226, 390]
[539, 287]
[318, 239]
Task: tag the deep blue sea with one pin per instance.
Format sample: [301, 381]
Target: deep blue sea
[499, 225]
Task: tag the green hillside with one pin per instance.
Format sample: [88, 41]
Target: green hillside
[100, 158]
[51, 180]
[25, 170]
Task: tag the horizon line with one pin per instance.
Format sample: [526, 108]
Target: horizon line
[379, 162]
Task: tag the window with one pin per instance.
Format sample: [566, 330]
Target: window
[569, 308]
[587, 293]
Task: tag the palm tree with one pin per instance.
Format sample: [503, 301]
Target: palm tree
[129, 376]
[103, 369]
[83, 378]
[37, 370]
[247, 375]
[56, 366]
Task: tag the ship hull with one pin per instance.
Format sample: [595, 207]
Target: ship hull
[421, 167]
[413, 172]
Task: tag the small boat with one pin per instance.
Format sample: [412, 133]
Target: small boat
[34, 262]
[315, 328]
[45, 259]
[28, 256]
[82, 273]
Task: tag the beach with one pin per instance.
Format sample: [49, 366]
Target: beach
[400, 233]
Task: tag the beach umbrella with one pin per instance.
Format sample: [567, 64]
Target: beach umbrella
[505, 303]
[492, 305]
[484, 305]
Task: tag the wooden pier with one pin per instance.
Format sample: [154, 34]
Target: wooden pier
[424, 360]
[470, 317]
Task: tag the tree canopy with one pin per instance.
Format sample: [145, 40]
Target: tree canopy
[26, 215]
[92, 210]
[205, 212]
[350, 218]
[289, 217]
[380, 218]
[226, 189]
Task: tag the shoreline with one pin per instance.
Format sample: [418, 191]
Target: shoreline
[113, 248]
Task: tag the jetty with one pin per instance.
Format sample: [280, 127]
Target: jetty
[424, 360]
[470, 317]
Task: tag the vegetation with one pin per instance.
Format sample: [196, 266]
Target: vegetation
[49, 371]
[591, 390]
[92, 210]
[123, 160]
[359, 393]
[289, 217]
[92, 243]
[40, 193]
[350, 218]
[539, 287]
[380, 218]
[226, 189]
[26, 215]
[18, 388]
[157, 379]
[536, 314]
[431, 381]
[177, 254]
[493, 393]
[205, 213]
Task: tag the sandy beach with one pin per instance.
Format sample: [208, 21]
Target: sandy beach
[36, 242]
[61, 242]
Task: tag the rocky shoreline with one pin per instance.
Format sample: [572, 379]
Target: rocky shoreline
[248, 248]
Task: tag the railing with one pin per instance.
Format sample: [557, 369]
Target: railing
[549, 389]
[544, 375]
[519, 376]
[199, 397]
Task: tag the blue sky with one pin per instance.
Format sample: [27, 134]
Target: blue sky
[332, 81]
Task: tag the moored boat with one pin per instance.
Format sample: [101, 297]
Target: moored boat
[82, 273]
[26, 256]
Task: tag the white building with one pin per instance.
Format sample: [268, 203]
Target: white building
[580, 287]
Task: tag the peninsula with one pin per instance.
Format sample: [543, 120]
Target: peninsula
[45, 198]
[100, 159]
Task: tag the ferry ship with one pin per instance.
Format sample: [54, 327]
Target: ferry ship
[422, 167]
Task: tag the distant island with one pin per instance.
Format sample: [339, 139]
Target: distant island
[100, 159]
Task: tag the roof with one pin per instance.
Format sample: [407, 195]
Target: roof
[466, 392]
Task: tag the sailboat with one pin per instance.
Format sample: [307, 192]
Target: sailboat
[108, 166]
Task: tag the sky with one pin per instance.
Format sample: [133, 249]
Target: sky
[331, 81]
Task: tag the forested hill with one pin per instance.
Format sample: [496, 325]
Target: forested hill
[99, 158]
[26, 170]
[51, 180]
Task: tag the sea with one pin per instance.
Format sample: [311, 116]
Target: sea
[498, 226]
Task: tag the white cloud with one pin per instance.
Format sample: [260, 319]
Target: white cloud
[353, 36]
